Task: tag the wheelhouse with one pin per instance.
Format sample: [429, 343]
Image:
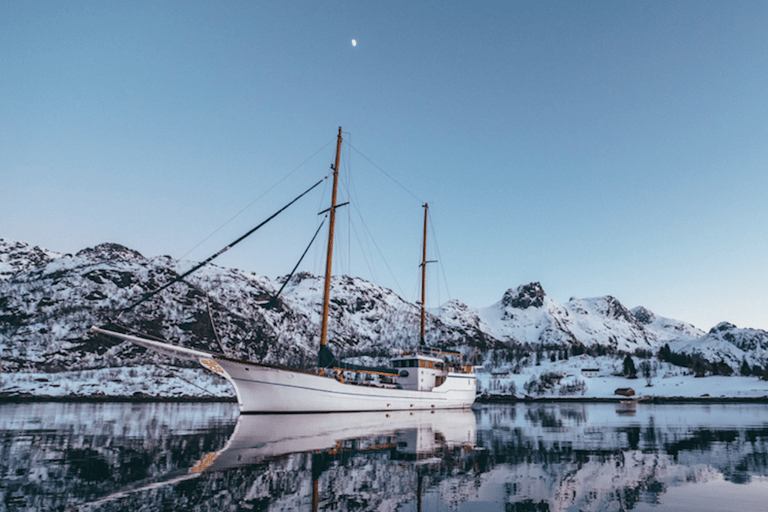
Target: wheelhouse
[420, 372]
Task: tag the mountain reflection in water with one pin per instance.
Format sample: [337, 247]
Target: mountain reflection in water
[534, 457]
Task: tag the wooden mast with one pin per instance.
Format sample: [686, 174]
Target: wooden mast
[329, 256]
[424, 276]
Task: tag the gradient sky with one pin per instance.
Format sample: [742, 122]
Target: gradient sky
[597, 147]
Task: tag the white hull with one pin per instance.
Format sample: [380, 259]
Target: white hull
[268, 389]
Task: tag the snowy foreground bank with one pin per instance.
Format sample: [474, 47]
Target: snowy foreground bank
[139, 382]
[596, 378]
[582, 378]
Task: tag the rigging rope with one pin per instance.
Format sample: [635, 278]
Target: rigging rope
[381, 254]
[273, 300]
[439, 258]
[385, 173]
[211, 258]
[213, 326]
[255, 200]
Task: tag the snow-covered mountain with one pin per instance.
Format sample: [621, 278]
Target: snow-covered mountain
[527, 315]
[48, 301]
[18, 257]
[727, 343]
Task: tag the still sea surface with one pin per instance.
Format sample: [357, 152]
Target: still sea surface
[523, 457]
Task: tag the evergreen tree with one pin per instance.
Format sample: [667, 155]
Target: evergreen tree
[745, 369]
[629, 367]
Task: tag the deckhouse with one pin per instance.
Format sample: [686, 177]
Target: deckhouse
[420, 372]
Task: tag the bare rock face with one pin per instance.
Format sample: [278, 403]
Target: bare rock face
[616, 310]
[110, 252]
[524, 296]
[643, 316]
[722, 327]
[18, 257]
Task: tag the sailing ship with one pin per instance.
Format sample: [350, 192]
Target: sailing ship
[425, 379]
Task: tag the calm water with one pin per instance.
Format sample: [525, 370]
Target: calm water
[544, 457]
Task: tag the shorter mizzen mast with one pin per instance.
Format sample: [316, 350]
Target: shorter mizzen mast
[423, 265]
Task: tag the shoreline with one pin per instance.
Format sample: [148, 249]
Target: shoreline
[142, 398]
[625, 400]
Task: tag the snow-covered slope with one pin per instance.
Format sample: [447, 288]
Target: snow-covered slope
[48, 301]
[527, 314]
[729, 344]
[17, 257]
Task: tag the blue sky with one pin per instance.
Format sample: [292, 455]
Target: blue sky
[597, 147]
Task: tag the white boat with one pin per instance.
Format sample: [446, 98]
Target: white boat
[415, 381]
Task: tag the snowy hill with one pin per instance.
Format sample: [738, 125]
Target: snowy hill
[17, 257]
[729, 344]
[527, 315]
[49, 300]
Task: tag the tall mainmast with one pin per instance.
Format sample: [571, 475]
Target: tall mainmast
[329, 256]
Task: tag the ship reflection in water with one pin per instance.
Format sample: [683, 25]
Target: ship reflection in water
[539, 457]
[344, 451]
[405, 435]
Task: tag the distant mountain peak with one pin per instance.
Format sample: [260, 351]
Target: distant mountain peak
[18, 257]
[524, 296]
[643, 315]
[722, 326]
[615, 309]
[110, 252]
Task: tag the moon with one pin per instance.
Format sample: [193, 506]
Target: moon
[354, 43]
